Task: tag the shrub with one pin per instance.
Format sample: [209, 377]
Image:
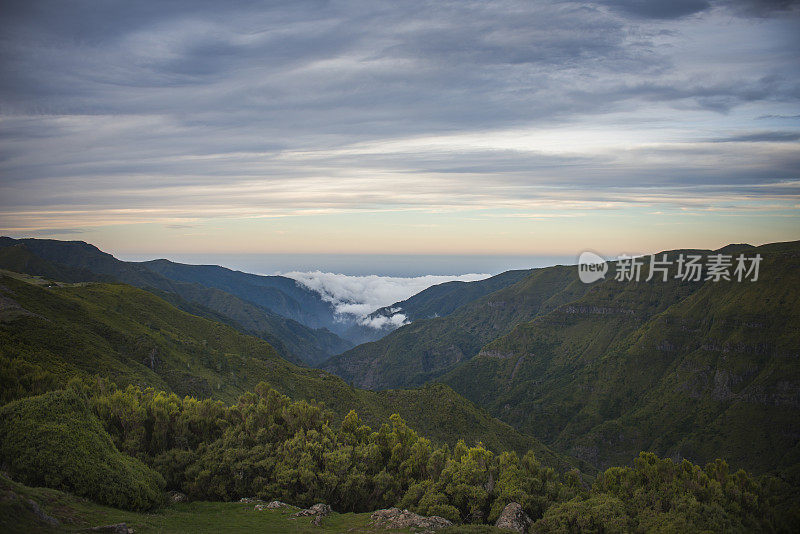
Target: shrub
[53, 440]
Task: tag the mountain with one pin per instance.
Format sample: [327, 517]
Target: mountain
[443, 299]
[18, 258]
[51, 333]
[428, 348]
[74, 261]
[283, 296]
[694, 370]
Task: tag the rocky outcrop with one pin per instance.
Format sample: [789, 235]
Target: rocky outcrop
[318, 509]
[394, 518]
[318, 512]
[176, 496]
[272, 505]
[119, 528]
[513, 517]
[516, 367]
[597, 310]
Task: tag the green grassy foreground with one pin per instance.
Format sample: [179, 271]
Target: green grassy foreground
[76, 515]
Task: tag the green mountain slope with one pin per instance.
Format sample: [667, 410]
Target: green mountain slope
[74, 261]
[695, 370]
[51, 333]
[443, 299]
[283, 296]
[426, 349]
[18, 258]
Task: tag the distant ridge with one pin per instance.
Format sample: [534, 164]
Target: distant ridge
[80, 261]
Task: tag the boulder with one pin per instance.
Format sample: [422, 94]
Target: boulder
[271, 506]
[176, 496]
[319, 509]
[394, 518]
[118, 528]
[249, 500]
[513, 517]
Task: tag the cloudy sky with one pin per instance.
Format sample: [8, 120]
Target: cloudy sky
[530, 127]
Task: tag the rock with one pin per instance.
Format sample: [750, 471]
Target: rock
[249, 500]
[513, 517]
[176, 496]
[119, 528]
[271, 506]
[40, 515]
[395, 518]
[319, 509]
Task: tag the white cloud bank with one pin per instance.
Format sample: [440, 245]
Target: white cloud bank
[358, 296]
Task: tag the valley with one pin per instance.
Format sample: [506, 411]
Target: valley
[528, 372]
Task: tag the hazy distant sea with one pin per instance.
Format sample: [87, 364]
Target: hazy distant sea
[362, 264]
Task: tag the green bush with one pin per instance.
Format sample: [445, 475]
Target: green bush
[54, 440]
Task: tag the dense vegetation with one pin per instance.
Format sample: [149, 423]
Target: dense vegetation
[269, 447]
[51, 334]
[691, 370]
[427, 348]
[54, 440]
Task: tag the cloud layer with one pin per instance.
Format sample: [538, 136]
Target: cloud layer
[355, 297]
[185, 114]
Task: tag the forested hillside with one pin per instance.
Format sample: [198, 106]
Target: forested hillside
[427, 348]
[75, 261]
[52, 333]
[686, 369]
[443, 299]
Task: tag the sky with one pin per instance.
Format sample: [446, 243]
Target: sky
[420, 128]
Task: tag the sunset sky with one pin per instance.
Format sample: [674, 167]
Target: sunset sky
[400, 127]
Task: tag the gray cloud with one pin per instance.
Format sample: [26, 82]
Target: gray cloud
[658, 9]
[761, 8]
[56, 231]
[163, 106]
[676, 9]
[761, 137]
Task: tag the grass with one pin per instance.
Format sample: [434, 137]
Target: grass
[77, 515]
